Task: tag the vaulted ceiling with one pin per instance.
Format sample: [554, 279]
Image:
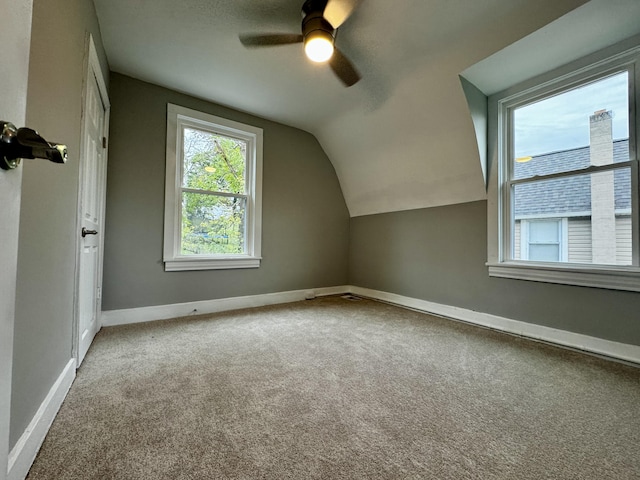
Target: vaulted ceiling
[399, 139]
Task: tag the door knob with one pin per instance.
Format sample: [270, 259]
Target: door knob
[86, 232]
[17, 143]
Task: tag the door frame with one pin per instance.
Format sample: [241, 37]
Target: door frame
[93, 68]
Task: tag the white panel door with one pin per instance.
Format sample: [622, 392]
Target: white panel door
[93, 175]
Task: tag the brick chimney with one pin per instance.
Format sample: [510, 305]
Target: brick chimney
[603, 219]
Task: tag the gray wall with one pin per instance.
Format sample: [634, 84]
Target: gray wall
[438, 254]
[47, 239]
[305, 220]
[478, 109]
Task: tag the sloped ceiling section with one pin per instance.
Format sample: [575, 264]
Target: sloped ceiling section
[594, 26]
[402, 138]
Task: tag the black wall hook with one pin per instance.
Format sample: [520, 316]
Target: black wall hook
[17, 143]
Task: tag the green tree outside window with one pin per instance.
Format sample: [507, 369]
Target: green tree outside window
[213, 194]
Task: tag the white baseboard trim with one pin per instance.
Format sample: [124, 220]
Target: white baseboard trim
[608, 348]
[24, 452]
[127, 316]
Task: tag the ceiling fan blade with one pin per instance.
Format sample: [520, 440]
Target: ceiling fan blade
[337, 11]
[270, 40]
[343, 68]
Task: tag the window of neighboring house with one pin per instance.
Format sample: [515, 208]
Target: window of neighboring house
[566, 149]
[544, 240]
[213, 192]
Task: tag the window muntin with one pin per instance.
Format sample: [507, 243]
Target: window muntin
[212, 197]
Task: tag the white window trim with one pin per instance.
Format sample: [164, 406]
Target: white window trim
[498, 261]
[178, 116]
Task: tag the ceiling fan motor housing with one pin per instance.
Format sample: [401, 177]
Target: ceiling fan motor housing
[314, 23]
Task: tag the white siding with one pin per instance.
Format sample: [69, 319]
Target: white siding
[580, 241]
[623, 240]
[516, 240]
[579, 233]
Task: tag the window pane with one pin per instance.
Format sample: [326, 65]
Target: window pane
[212, 224]
[555, 134]
[543, 232]
[213, 162]
[544, 253]
[597, 207]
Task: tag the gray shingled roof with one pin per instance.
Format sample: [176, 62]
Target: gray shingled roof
[567, 196]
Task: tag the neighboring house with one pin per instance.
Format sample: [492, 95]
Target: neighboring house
[553, 218]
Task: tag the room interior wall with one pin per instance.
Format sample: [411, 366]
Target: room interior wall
[48, 237]
[438, 254]
[305, 219]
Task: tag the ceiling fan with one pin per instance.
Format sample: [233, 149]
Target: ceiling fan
[320, 22]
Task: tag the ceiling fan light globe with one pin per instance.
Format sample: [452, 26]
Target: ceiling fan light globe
[318, 49]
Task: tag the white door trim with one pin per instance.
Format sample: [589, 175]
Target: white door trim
[93, 68]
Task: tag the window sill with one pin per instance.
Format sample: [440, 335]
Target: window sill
[210, 263]
[609, 277]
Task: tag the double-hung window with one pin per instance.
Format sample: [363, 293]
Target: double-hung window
[213, 192]
[564, 198]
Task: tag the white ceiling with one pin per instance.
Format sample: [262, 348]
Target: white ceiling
[401, 138]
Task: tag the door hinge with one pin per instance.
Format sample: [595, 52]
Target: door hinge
[104, 142]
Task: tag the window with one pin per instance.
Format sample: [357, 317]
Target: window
[564, 195]
[213, 192]
[543, 240]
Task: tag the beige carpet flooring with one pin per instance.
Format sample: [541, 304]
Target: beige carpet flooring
[340, 389]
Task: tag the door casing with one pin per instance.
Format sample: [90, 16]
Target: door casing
[93, 69]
